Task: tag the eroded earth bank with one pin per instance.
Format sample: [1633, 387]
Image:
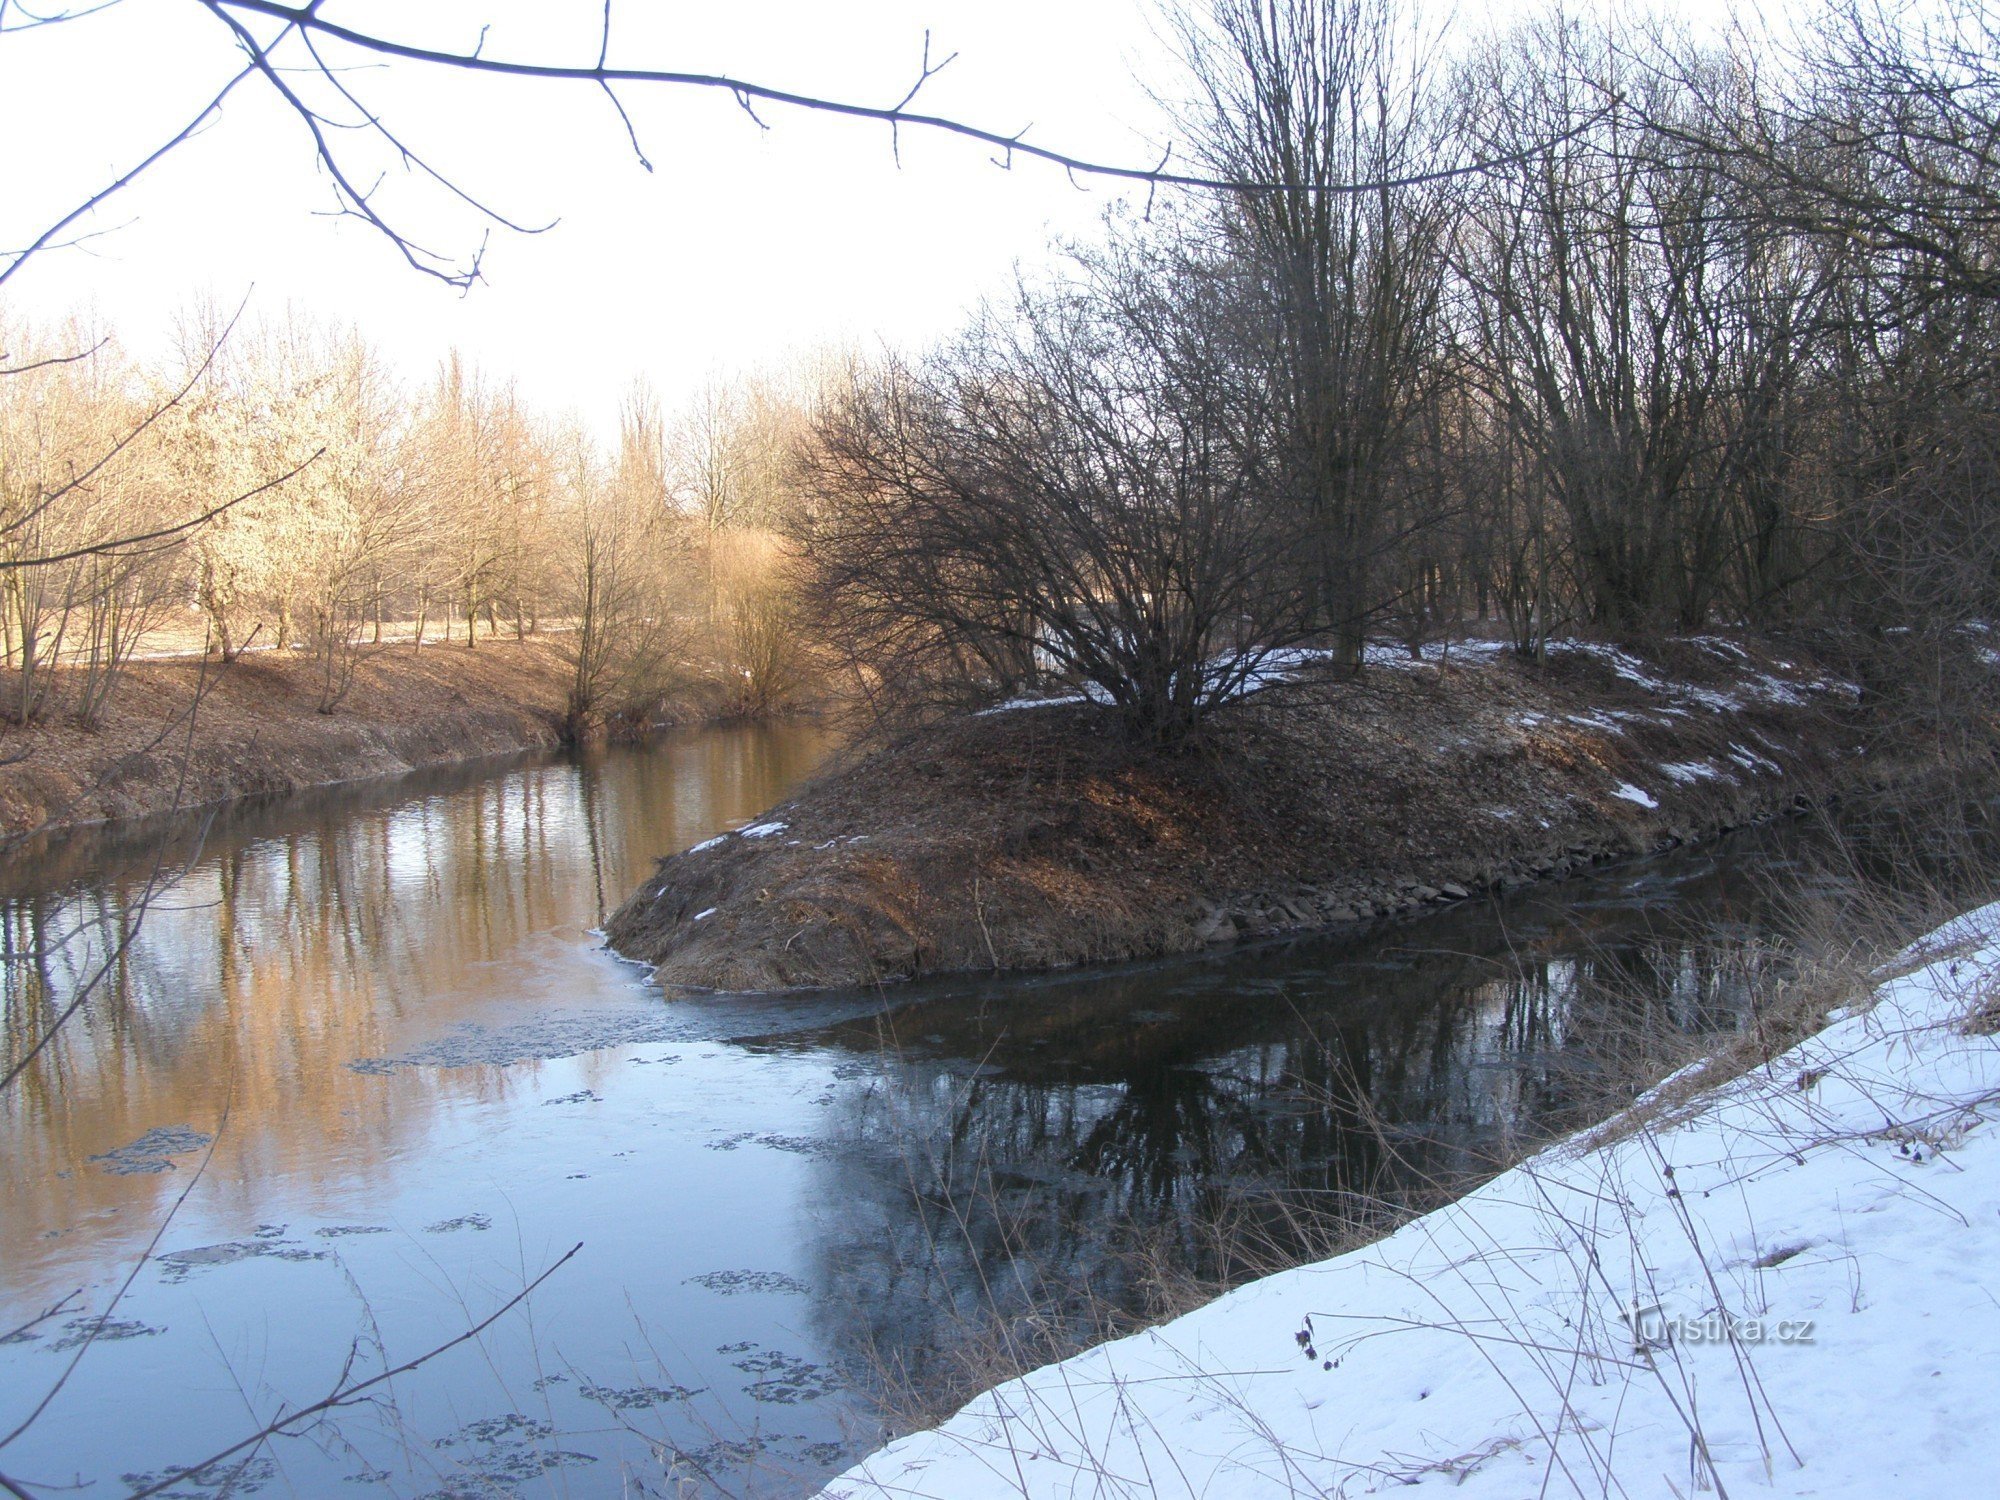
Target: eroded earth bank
[1036, 837]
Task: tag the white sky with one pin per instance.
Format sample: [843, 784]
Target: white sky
[741, 246]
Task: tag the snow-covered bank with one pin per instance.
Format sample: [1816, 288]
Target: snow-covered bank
[1779, 1287]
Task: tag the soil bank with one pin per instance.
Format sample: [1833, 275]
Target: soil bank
[1039, 837]
[182, 734]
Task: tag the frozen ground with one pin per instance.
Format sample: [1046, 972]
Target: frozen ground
[1780, 1287]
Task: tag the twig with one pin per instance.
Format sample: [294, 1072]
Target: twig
[346, 1394]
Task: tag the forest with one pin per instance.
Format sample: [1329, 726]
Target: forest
[1630, 336]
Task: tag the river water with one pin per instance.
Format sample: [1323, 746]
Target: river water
[363, 1071]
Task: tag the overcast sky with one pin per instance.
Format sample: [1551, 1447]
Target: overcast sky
[741, 245]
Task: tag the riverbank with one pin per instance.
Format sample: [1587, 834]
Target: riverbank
[184, 733]
[1036, 837]
[1774, 1285]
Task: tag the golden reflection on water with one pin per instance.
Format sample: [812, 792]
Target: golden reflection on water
[285, 943]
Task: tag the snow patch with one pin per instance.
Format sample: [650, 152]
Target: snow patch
[1433, 653]
[1752, 762]
[1631, 793]
[1014, 704]
[1688, 772]
[1756, 687]
[1596, 720]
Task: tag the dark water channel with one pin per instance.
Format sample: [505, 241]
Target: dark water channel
[365, 1063]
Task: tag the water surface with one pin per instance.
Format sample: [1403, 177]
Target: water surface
[364, 1071]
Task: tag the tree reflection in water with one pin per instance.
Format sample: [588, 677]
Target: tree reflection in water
[298, 935]
[1031, 1165]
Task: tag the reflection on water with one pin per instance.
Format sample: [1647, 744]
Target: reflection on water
[1048, 1147]
[347, 925]
[423, 1081]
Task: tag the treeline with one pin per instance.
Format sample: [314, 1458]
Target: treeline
[281, 488]
[1582, 326]
[1622, 333]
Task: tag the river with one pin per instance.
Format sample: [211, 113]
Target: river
[363, 1071]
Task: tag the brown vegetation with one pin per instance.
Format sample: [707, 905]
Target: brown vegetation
[279, 487]
[187, 733]
[1041, 837]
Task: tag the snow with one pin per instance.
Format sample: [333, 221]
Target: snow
[753, 831]
[1596, 720]
[703, 916]
[1012, 704]
[1721, 646]
[1751, 761]
[1783, 1280]
[1272, 666]
[1681, 697]
[1266, 668]
[1756, 687]
[1631, 793]
[1466, 648]
[1688, 772]
[1622, 664]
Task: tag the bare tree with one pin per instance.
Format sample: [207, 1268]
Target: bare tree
[1294, 94]
[1877, 132]
[611, 563]
[1071, 494]
[758, 631]
[484, 475]
[1601, 279]
[95, 515]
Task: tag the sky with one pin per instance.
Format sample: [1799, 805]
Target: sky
[742, 246]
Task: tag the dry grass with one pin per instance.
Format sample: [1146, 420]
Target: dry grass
[1041, 838]
[186, 733]
[1849, 915]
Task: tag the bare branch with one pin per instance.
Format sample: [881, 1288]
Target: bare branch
[32, 20]
[79, 357]
[178, 528]
[18, 258]
[748, 93]
[603, 55]
[346, 1393]
[356, 200]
